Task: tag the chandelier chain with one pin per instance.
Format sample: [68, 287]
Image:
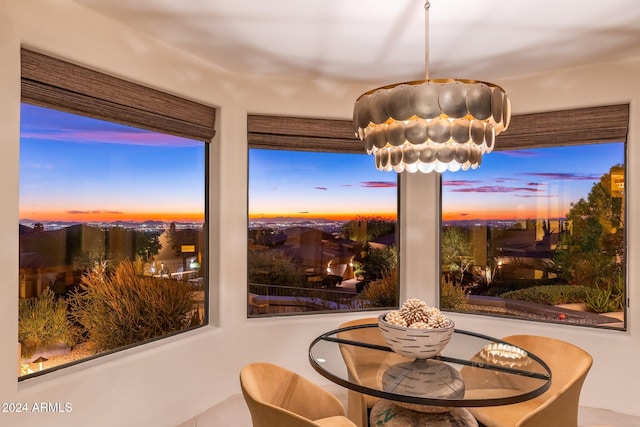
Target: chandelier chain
[427, 5]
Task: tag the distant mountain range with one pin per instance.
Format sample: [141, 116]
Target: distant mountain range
[491, 222]
[289, 220]
[29, 222]
[125, 224]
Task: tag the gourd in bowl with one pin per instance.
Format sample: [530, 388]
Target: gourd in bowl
[416, 330]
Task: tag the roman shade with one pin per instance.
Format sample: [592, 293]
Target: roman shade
[565, 127]
[302, 134]
[54, 83]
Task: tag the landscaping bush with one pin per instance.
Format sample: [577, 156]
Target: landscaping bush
[121, 308]
[43, 321]
[271, 267]
[617, 293]
[499, 287]
[378, 261]
[599, 300]
[607, 297]
[382, 292]
[453, 296]
[549, 295]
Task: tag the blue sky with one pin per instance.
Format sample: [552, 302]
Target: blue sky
[512, 184]
[540, 182]
[308, 184]
[77, 168]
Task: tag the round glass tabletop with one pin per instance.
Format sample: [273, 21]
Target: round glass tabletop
[472, 370]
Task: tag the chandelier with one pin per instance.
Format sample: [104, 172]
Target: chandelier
[432, 124]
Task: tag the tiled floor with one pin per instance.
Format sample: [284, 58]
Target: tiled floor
[233, 412]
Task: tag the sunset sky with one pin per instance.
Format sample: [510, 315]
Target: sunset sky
[318, 185]
[74, 168]
[536, 183]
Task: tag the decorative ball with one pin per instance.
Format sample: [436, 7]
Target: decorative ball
[416, 330]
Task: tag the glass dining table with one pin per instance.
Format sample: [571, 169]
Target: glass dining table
[473, 370]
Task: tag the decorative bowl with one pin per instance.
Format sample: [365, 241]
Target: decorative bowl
[415, 343]
[505, 355]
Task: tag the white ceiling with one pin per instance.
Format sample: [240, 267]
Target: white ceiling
[383, 40]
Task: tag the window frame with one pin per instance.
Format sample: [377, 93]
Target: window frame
[64, 86]
[570, 127]
[272, 132]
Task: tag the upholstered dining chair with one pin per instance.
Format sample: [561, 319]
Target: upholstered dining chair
[278, 397]
[360, 369]
[558, 406]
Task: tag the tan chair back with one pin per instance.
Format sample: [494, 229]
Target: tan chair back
[362, 366]
[277, 397]
[558, 406]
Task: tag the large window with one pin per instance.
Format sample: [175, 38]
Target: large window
[538, 231]
[322, 221]
[113, 214]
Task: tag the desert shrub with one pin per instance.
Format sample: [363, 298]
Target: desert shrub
[382, 292]
[272, 267]
[43, 321]
[498, 287]
[457, 251]
[606, 297]
[550, 295]
[121, 308]
[378, 261]
[453, 296]
[599, 300]
[617, 293]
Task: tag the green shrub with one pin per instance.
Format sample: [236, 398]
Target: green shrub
[608, 296]
[549, 295]
[599, 300]
[618, 294]
[453, 296]
[43, 321]
[121, 308]
[271, 267]
[382, 292]
[499, 287]
[378, 261]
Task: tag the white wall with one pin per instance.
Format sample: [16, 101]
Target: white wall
[167, 382]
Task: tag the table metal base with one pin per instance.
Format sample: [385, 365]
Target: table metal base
[387, 414]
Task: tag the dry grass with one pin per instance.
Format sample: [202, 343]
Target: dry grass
[121, 308]
[382, 292]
